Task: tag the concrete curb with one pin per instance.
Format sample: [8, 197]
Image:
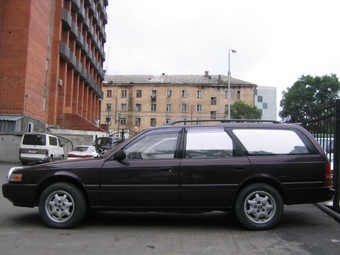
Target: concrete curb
[329, 211]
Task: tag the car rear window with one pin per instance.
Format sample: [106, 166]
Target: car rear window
[272, 142]
[34, 140]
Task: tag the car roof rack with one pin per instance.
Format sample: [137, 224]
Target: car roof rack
[198, 122]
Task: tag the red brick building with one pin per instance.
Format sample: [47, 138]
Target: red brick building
[51, 64]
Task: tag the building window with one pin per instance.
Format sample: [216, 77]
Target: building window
[168, 108]
[226, 94]
[122, 121]
[138, 107]
[238, 94]
[213, 100]
[153, 95]
[137, 121]
[169, 93]
[260, 99]
[123, 107]
[138, 93]
[184, 93]
[167, 120]
[108, 107]
[199, 93]
[199, 108]
[184, 108]
[265, 106]
[124, 93]
[213, 115]
[153, 122]
[226, 107]
[153, 107]
[109, 93]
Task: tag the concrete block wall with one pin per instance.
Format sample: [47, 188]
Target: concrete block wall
[10, 143]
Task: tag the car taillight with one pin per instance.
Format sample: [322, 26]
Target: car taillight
[328, 175]
[46, 153]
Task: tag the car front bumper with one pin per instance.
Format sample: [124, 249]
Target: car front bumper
[23, 195]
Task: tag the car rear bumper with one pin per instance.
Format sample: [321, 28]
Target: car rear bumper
[308, 195]
[20, 194]
[35, 159]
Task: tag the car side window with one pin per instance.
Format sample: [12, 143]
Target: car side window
[210, 143]
[271, 141]
[153, 146]
[53, 141]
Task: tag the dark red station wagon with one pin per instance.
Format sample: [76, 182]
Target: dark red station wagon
[252, 168]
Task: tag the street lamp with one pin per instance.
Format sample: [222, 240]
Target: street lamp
[229, 92]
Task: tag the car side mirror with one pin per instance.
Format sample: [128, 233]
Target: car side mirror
[120, 155]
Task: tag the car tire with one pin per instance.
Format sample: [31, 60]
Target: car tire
[62, 205]
[259, 207]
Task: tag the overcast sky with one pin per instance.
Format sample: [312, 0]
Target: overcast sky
[276, 41]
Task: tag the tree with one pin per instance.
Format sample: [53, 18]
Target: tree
[241, 110]
[308, 96]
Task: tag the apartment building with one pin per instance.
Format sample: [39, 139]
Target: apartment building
[135, 102]
[51, 72]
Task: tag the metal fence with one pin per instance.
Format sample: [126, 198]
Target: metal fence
[325, 127]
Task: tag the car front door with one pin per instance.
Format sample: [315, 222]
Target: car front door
[148, 176]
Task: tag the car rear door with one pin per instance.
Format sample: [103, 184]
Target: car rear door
[212, 168]
[148, 177]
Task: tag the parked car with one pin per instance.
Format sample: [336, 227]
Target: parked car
[40, 148]
[106, 143]
[83, 151]
[253, 169]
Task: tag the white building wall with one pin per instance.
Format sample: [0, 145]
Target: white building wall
[265, 100]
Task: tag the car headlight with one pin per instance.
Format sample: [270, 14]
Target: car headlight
[12, 176]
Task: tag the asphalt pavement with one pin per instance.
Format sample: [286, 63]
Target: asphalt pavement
[303, 230]
[327, 206]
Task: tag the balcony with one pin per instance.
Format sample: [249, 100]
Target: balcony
[72, 61]
[75, 5]
[80, 40]
[92, 8]
[90, 32]
[74, 31]
[81, 14]
[105, 18]
[86, 23]
[66, 19]
[64, 51]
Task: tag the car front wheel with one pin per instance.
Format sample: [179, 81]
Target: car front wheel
[62, 205]
[259, 207]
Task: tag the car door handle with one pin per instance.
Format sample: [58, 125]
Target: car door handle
[166, 169]
[239, 168]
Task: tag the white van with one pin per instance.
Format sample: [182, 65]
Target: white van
[40, 148]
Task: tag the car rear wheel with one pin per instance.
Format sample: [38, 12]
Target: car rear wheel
[62, 205]
[259, 206]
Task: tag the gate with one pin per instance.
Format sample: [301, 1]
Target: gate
[325, 127]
